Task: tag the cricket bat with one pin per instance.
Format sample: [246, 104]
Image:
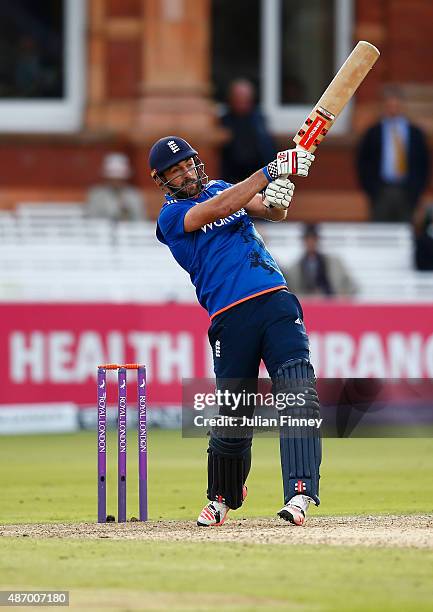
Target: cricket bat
[337, 95]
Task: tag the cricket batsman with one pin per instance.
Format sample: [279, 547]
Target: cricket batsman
[208, 227]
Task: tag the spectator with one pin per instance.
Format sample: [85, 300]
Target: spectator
[115, 198]
[316, 273]
[250, 146]
[423, 226]
[393, 162]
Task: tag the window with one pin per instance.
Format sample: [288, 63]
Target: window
[235, 44]
[41, 65]
[307, 52]
[303, 45]
[31, 54]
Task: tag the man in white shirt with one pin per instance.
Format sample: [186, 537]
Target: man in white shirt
[115, 198]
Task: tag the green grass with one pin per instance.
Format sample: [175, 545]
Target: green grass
[53, 478]
[313, 578]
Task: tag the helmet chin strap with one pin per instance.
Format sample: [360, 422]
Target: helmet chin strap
[181, 193]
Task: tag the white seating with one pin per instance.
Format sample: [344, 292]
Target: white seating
[49, 211]
[54, 253]
[132, 234]
[379, 257]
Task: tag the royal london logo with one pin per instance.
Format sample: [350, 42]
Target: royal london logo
[173, 146]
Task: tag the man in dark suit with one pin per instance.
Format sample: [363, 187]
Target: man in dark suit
[393, 162]
[423, 237]
[250, 145]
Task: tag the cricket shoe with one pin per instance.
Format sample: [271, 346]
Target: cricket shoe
[215, 512]
[295, 510]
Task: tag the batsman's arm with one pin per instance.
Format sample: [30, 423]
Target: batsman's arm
[227, 202]
[290, 162]
[256, 208]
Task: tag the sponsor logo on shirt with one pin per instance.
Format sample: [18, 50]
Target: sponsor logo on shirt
[225, 221]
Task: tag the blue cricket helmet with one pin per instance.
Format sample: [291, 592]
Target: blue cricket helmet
[167, 152]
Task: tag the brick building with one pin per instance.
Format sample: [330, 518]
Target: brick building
[133, 70]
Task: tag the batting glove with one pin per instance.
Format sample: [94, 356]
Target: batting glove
[279, 194]
[296, 162]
